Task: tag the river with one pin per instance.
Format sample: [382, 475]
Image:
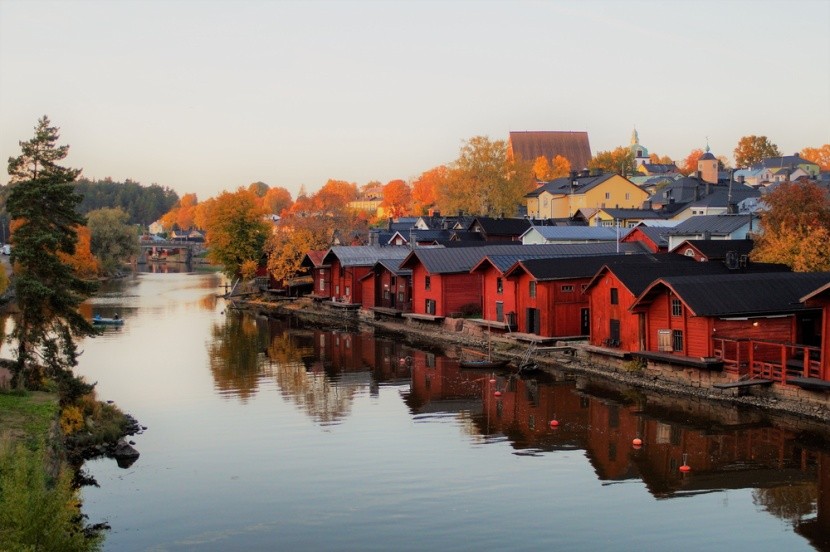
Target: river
[267, 434]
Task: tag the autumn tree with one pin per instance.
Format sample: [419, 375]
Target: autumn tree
[259, 188]
[795, 228]
[334, 195]
[656, 159]
[397, 199]
[113, 241]
[424, 189]
[276, 199]
[43, 205]
[560, 167]
[820, 156]
[752, 149]
[541, 168]
[83, 262]
[484, 181]
[619, 160]
[235, 230]
[690, 162]
[182, 215]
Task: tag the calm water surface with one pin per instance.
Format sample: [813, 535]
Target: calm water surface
[265, 435]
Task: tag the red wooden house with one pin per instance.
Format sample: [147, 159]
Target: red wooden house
[820, 298]
[442, 284]
[500, 294]
[732, 252]
[387, 288]
[549, 294]
[653, 238]
[754, 323]
[349, 264]
[614, 288]
[320, 274]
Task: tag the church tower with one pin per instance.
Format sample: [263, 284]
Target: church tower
[707, 166]
[640, 153]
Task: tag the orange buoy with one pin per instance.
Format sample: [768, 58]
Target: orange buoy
[637, 442]
[554, 423]
[497, 393]
[684, 468]
[492, 381]
[402, 361]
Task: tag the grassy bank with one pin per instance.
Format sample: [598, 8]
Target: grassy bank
[27, 417]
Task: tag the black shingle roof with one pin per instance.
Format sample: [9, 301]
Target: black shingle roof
[567, 267]
[636, 273]
[364, 255]
[463, 259]
[745, 294]
[501, 226]
[717, 249]
[563, 185]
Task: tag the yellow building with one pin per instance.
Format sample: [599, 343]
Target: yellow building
[563, 197]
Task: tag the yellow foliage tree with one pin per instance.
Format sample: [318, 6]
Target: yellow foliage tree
[795, 228]
[235, 230]
[541, 168]
[820, 156]
[560, 168]
[83, 262]
[424, 189]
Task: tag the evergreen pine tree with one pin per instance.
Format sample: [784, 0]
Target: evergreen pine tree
[42, 205]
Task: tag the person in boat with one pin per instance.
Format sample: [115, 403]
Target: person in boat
[97, 317]
[115, 316]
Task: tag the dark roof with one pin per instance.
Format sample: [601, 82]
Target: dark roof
[783, 161]
[463, 259]
[657, 234]
[707, 156]
[393, 266]
[563, 185]
[714, 224]
[364, 255]
[566, 267]
[636, 272]
[661, 168]
[501, 226]
[575, 233]
[744, 294]
[571, 145]
[632, 213]
[717, 249]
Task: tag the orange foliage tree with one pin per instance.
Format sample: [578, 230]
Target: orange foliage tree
[751, 149]
[541, 168]
[795, 228]
[690, 163]
[83, 262]
[276, 199]
[820, 156]
[397, 199]
[424, 193]
[182, 215]
[235, 231]
[619, 160]
[334, 195]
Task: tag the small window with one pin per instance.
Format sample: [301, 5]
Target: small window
[427, 282]
[322, 285]
[532, 288]
[615, 296]
[567, 289]
[689, 252]
[607, 195]
[677, 340]
[430, 306]
[499, 285]
[400, 297]
[337, 289]
[627, 195]
[676, 307]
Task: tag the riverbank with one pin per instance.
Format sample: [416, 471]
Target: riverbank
[804, 410]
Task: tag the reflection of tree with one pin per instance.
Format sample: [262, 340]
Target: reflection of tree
[791, 502]
[327, 401]
[234, 355]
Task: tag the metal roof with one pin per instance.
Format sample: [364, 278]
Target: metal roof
[574, 232]
[714, 224]
[744, 294]
[364, 255]
[568, 267]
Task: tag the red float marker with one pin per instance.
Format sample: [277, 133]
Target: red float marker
[497, 393]
[637, 442]
[554, 423]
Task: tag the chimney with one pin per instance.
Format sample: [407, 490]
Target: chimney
[732, 208]
[741, 179]
[585, 172]
[697, 193]
[431, 213]
[574, 174]
[389, 224]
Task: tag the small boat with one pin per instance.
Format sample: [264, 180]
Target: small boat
[98, 320]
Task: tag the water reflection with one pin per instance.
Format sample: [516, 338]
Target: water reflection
[322, 372]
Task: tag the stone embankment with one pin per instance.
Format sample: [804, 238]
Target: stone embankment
[802, 410]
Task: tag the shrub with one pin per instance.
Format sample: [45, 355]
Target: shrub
[72, 419]
[38, 512]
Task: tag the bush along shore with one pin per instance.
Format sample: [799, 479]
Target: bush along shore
[803, 409]
[45, 436]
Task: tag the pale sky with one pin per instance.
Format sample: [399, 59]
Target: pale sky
[205, 96]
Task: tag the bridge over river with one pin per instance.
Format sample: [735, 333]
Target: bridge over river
[171, 251]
